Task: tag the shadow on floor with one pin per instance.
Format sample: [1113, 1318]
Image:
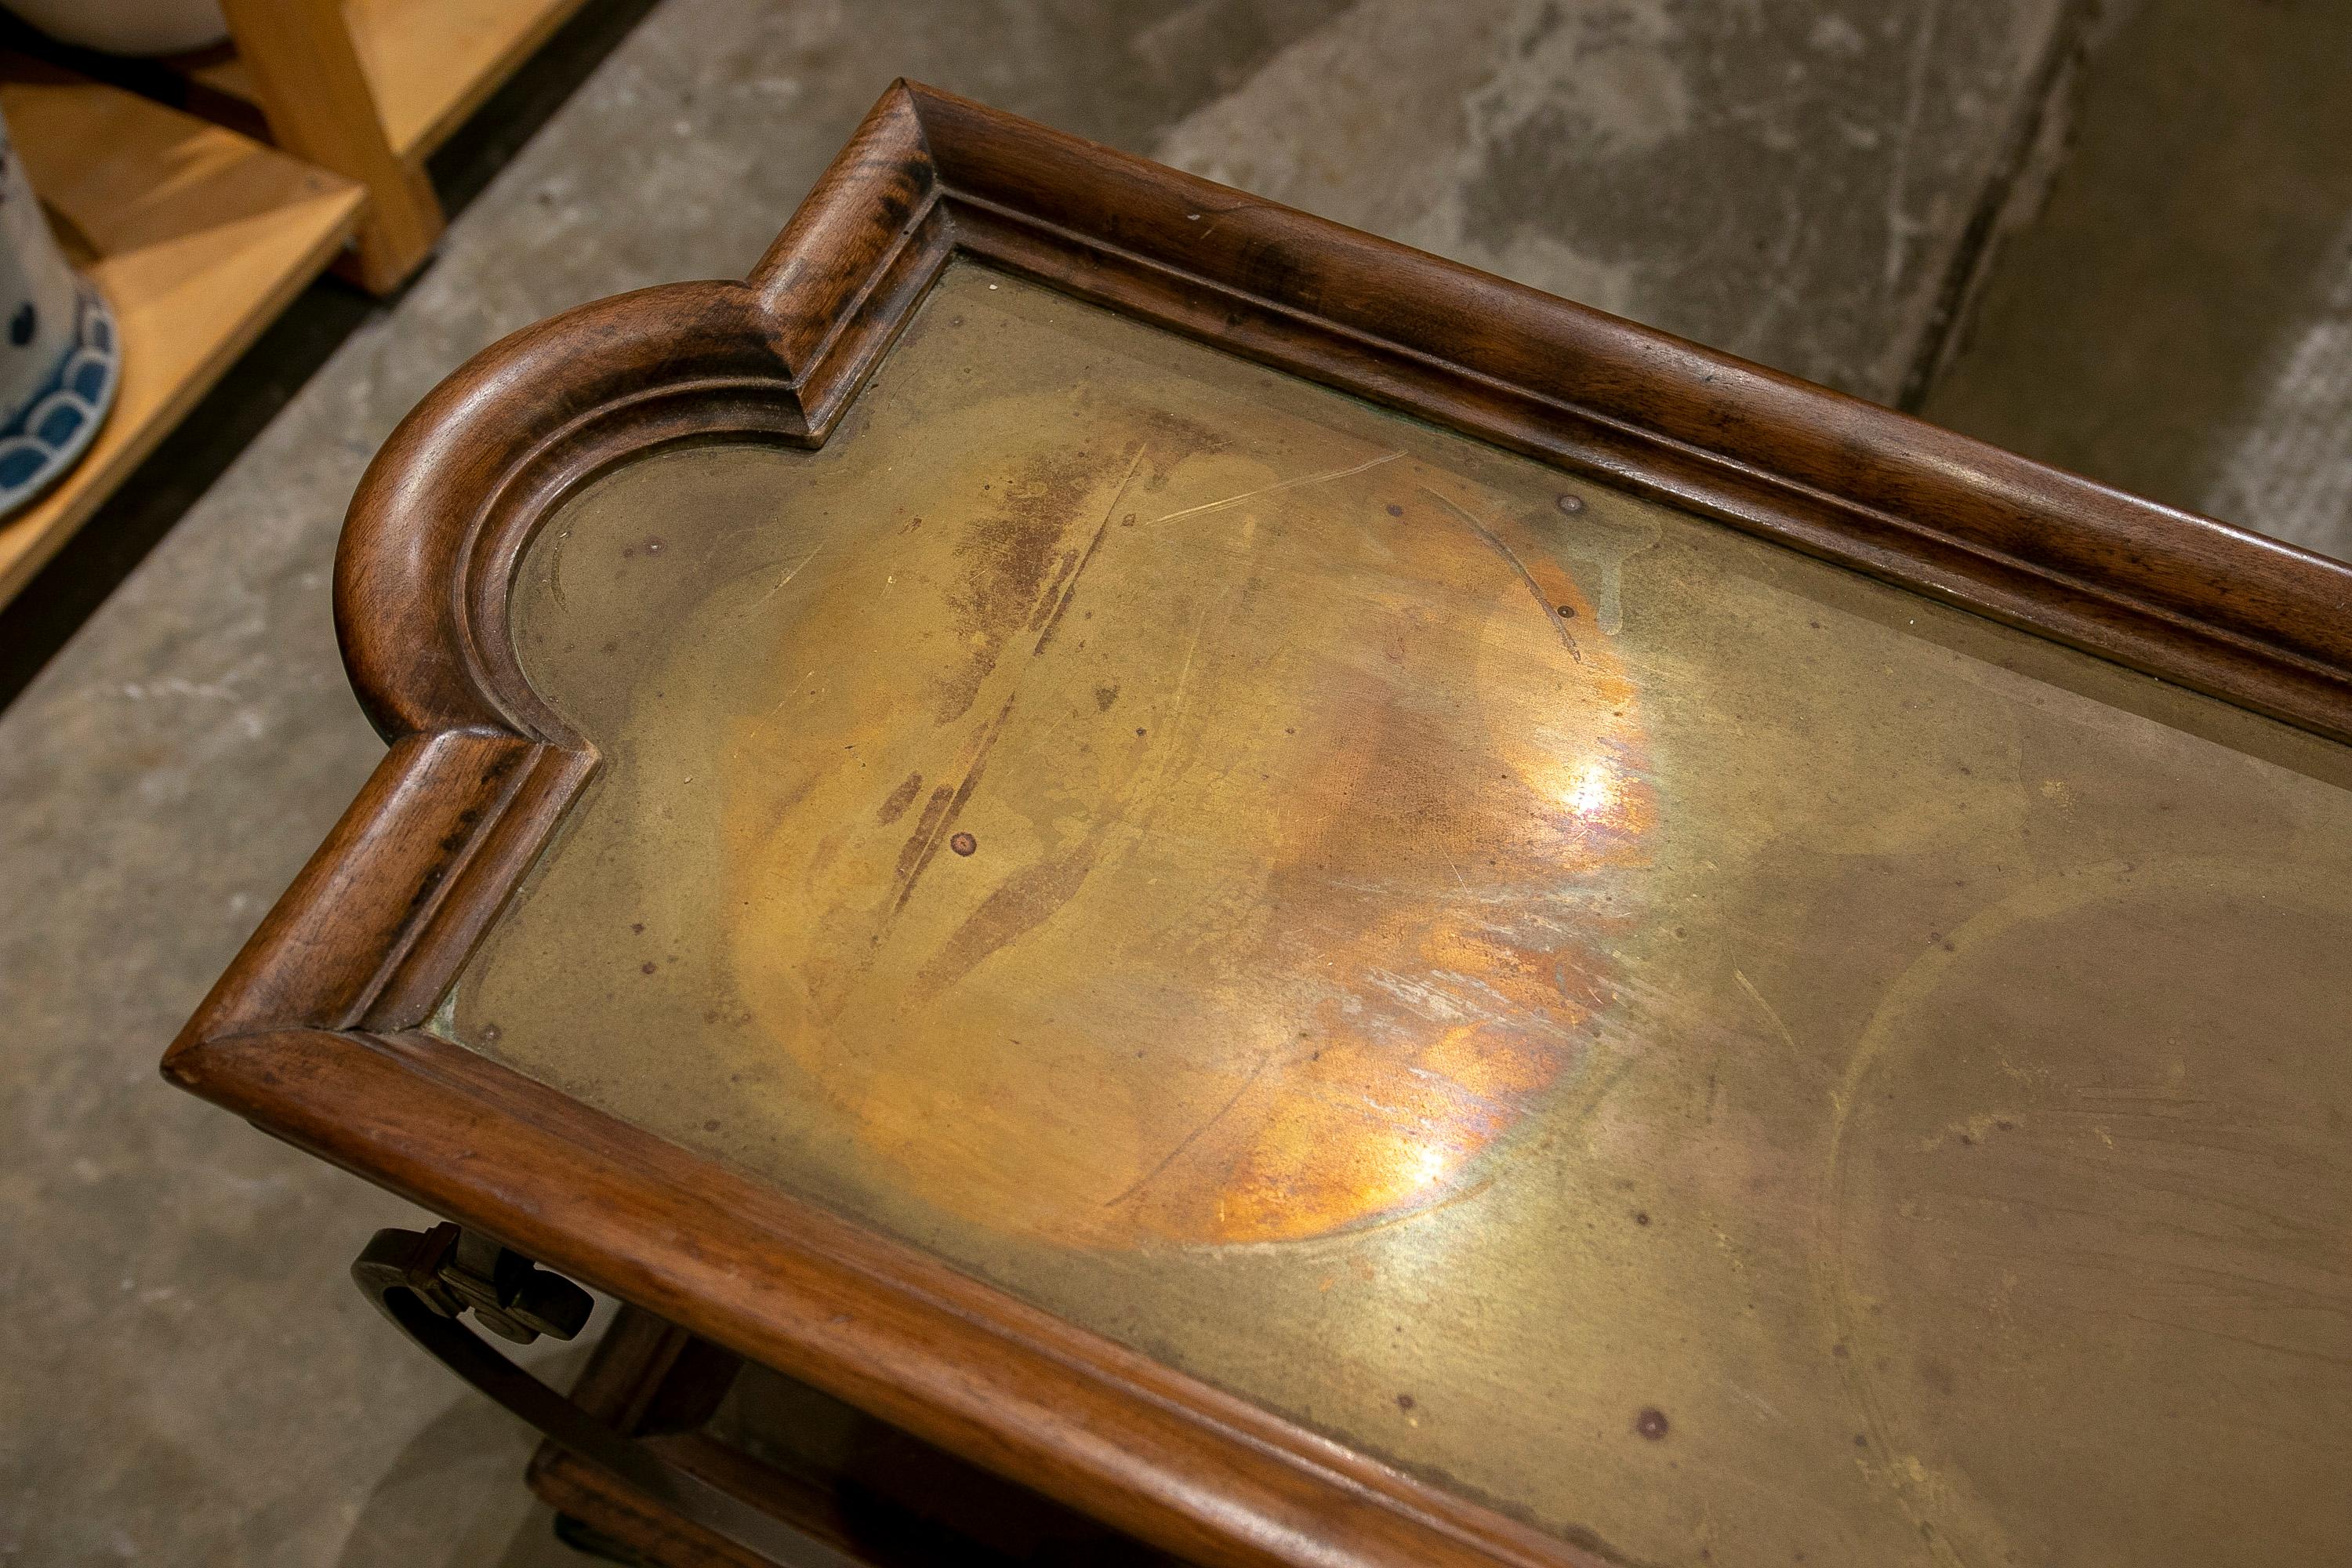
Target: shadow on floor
[455, 1497]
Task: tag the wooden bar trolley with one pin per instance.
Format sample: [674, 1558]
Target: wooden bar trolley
[1157, 880]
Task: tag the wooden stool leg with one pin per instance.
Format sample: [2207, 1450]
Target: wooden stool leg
[315, 92]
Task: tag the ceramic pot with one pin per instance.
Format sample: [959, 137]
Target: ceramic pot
[128, 27]
[60, 358]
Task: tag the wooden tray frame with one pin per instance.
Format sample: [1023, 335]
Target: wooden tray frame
[315, 1033]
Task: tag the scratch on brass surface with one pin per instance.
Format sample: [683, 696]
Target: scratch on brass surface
[2255, 1341]
[1392, 1218]
[1073, 573]
[1764, 1407]
[1780, 1028]
[787, 696]
[1277, 485]
[1432, 1001]
[782, 581]
[1543, 601]
[1181, 693]
[1189, 1139]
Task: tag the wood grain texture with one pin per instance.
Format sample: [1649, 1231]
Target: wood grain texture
[312, 1033]
[431, 63]
[370, 87]
[305, 66]
[428, 64]
[2212, 606]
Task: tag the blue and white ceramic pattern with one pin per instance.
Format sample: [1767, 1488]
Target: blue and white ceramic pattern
[57, 423]
[60, 357]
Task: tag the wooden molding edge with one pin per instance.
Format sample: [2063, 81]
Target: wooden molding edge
[869, 1320]
[927, 176]
[2238, 616]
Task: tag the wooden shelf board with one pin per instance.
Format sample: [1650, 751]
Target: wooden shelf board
[197, 236]
[229, 76]
[433, 62]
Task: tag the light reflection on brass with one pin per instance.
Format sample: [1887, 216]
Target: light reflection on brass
[1755, 1064]
[1288, 800]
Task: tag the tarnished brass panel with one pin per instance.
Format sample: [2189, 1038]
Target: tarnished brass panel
[1725, 1060]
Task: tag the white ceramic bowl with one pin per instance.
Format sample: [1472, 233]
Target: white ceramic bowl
[128, 27]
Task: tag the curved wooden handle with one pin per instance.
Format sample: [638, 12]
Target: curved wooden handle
[399, 1271]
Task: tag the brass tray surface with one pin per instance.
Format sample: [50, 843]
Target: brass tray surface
[1710, 1054]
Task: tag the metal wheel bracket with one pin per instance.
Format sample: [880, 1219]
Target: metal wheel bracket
[425, 1281]
[451, 1269]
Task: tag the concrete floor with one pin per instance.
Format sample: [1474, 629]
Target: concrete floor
[190, 1377]
[2177, 317]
